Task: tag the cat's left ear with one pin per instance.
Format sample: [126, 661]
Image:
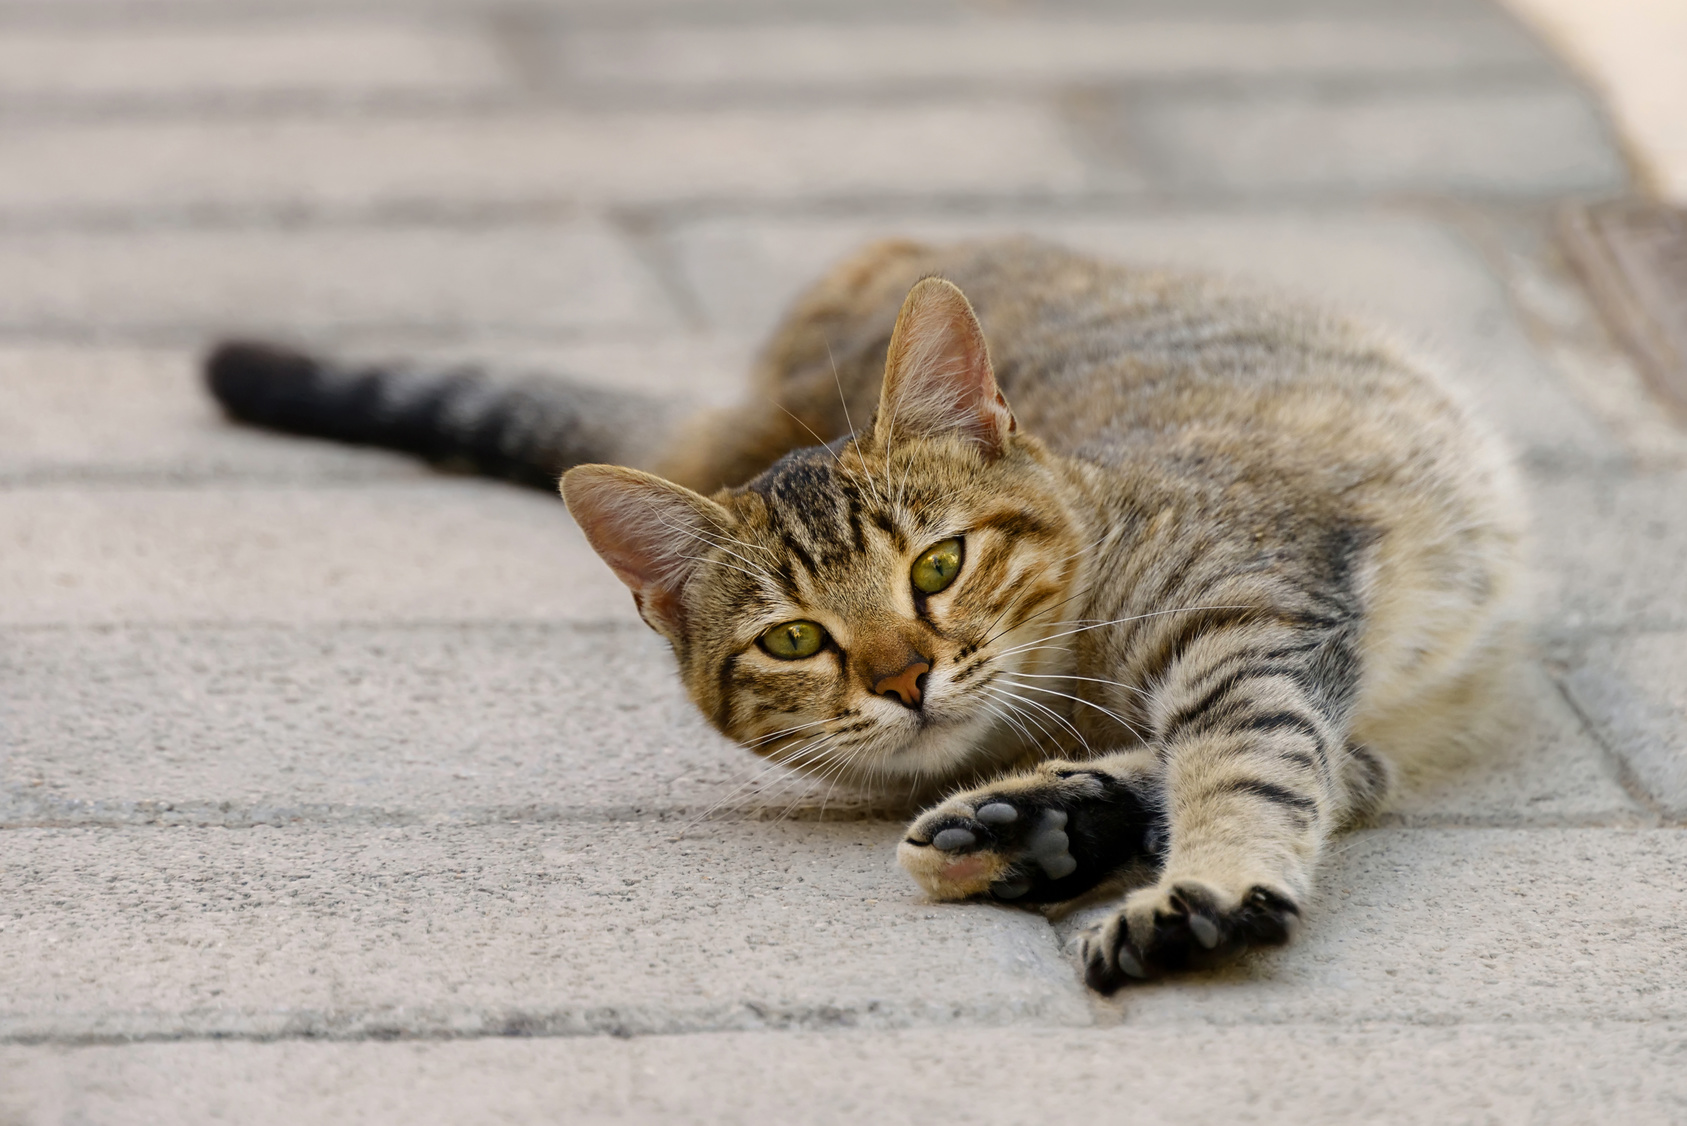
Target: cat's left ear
[938, 378]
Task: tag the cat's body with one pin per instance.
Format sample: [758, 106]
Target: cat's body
[1175, 602]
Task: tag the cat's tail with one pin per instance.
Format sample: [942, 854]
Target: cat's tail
[527, 430]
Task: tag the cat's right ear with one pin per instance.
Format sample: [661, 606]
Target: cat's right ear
[938, 378]
[651, 532]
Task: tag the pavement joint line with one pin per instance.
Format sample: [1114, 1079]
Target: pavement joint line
[559, 625]
[668, 217]
[552, 1024]
[93, 477]
[535, 1026]
[1146, 201]
[616, 96]
[164, 815]
[1626, 777]
[656, 252]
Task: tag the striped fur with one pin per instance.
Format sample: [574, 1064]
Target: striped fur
[1230, 565]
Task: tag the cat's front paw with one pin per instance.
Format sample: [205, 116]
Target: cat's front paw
[1181, 925]
[1042, 837]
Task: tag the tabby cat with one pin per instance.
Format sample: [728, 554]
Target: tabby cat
[1157, 582]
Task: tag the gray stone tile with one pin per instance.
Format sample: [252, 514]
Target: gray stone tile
[1570, 1073]
[481, 722]
[443, 550]
[1394, 268]
[1021, 48]
[1609, 549]
[1439, 926]
[1547, 770]
[349, 57]
[360, 724]
[988, 147]
[142, 416]
[1633, 689]
[499, 930]
[183, 285]
[130, 416]
[1529, 140]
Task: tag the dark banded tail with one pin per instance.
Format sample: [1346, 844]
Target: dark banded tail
[525, 430]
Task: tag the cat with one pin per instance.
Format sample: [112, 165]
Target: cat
[1153, 581]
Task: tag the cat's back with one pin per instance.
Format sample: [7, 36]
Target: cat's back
[1168, 374]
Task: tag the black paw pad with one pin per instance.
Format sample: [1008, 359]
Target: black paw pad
[1188, 931]
[1047, 847]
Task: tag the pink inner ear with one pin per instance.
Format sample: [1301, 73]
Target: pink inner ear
[651, 532]
[938, 377]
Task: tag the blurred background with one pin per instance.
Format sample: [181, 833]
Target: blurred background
[304, 743]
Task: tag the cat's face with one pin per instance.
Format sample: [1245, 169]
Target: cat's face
[875, 616]
[875, 610]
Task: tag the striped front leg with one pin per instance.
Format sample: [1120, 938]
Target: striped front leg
[1250, 721]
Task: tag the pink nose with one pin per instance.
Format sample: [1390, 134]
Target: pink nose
[905, 684]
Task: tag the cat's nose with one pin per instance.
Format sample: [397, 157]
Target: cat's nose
[905, 685]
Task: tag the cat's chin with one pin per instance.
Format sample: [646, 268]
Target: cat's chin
[939, 747]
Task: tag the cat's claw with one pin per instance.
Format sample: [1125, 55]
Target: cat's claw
[1182, 926]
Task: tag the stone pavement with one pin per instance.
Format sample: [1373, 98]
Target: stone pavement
[335, 789]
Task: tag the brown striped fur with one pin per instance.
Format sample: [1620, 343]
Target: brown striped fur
[1230, 564]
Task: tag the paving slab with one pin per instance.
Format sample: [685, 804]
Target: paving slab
[1510, 140]
[1495, 1072]
[499, 930]
[1548, 769]
[1035, 50]
[1423, 926]
[1633, 689]
[1397, 268]
[345, 57]
[473, 723]
[186, 285]
[358, 165]
[139, 415]
[1609, 549]
[399, 724]
[441, 550]
[441, 930]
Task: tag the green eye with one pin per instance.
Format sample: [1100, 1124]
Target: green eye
[938, 567]
[792, 641]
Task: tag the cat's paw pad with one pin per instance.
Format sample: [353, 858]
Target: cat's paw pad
[1184, 925]
[1023, 843]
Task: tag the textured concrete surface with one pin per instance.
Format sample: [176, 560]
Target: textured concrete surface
[335, 789]
[1483, 1072]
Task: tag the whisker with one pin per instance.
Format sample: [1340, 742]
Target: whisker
[843, 401]
[1028, 717]
[1002, 710]
[770, 767]
[1056, 716]
[1121, 720]
[754, 743]
[1073, 676]
[1133, 618]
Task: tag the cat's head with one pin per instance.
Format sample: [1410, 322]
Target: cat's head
[871, 608]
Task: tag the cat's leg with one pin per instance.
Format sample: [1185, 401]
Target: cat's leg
[1042, 836]
[1251, 729]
